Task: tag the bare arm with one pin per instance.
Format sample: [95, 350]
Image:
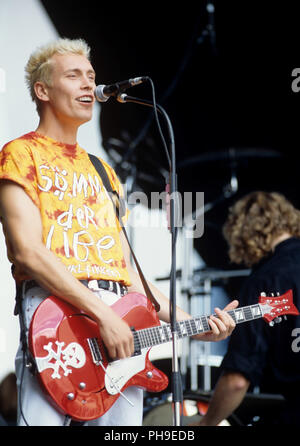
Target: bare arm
[221, 326]
[23, 231]
[228, 395]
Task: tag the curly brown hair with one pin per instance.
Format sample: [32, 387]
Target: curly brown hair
[255, 221]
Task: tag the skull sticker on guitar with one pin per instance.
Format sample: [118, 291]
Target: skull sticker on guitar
[73, 356]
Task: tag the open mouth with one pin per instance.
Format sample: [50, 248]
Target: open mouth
[85, 99]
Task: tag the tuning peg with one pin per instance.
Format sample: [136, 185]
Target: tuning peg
[263, 294]
[271, 323]
[277, 320]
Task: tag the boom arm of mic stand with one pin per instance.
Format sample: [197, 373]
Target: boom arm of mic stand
[176, 381]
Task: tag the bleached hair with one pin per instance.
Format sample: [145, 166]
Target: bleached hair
[39, 67]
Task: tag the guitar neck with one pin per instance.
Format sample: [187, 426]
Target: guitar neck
[148, 337]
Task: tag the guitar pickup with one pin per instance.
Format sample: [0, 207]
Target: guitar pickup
[96, 353]
[137, 345]
[95, 350]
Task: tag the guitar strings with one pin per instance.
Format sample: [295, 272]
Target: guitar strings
[159, 334]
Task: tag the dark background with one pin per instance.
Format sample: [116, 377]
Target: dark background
[228, 95]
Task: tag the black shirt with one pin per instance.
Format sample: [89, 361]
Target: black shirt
[260, 352]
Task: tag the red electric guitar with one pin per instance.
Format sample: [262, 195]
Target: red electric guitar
[72, 362]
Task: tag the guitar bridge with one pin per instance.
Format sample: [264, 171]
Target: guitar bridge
[95, 350]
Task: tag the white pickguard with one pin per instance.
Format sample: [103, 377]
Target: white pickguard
[119, 372]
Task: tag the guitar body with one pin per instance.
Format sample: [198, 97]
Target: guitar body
[71, 359]
[63, 340]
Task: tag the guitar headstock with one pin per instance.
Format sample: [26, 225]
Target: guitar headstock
[274, 307]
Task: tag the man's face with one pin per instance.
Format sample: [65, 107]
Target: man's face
[71, 94]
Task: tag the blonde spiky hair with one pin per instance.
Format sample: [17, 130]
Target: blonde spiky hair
[39, 67]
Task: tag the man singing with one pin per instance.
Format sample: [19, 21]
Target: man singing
[63, 237]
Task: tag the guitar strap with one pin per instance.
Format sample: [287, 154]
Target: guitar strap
[120, 209]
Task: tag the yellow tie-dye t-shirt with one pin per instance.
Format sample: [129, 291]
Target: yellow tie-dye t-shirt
[79, 222]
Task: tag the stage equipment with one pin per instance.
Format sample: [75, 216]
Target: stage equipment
[198, 285]
[205, 294]
[255, 409]
[172, 189]
[232, 156]
[158, 412]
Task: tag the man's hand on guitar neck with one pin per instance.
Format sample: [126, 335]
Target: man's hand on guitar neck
[221, 326]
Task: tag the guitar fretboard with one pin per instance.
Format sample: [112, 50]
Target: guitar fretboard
[160, 334]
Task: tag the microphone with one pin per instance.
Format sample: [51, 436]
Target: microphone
[210, 8]
[104, 92]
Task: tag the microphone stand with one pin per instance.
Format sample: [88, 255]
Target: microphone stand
[176, 379]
